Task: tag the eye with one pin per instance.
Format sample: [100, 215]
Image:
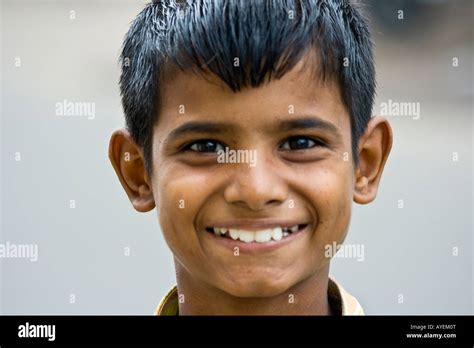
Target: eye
[205, 146]
[301, 143]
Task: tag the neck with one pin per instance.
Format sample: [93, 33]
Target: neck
[308, 297]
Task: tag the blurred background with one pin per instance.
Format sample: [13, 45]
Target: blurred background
[96, 255]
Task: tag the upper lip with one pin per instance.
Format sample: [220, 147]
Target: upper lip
[255, 224]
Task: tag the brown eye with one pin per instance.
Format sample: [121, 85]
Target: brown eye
[205, 146]
[300, 143]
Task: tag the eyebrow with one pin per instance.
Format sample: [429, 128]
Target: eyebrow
[200, 127]
[310, 122]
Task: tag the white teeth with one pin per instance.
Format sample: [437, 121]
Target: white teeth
[263, 236]
[277, 233]
[246, 236]
[234, 234]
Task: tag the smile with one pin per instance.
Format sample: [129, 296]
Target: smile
[258, 236]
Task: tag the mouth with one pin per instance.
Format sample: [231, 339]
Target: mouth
[261, 236]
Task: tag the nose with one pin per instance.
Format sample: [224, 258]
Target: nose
[257, 187]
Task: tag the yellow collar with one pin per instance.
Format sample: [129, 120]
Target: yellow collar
[340, 300]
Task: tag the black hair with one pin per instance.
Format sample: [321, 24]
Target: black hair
[269, 37]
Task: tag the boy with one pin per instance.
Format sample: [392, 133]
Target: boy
[209, 85]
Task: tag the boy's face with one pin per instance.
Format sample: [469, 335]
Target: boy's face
[297, 170]
[300, 132]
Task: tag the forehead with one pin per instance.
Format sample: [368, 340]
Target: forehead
[188, 96]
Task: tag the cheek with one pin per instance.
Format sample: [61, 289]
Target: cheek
[179, 197]
[332, 199]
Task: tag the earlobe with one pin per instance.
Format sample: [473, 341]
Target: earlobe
[361, 184]
[128, 162]
[374, 147]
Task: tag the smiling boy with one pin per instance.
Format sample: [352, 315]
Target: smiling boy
[291, 80]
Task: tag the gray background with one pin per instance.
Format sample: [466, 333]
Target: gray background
[408, 251]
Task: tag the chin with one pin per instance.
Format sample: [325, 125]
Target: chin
[254, 286]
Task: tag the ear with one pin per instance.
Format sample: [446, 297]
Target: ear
[374, 148]
[129, 165]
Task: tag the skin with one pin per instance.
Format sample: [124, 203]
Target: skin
[315, 184]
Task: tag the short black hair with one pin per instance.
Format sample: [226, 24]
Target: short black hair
[269, 37]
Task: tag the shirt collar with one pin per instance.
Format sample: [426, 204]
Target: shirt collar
[341, 302]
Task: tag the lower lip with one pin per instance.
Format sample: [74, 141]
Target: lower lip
[255, 246]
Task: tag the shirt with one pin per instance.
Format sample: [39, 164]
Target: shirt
[341, 302]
